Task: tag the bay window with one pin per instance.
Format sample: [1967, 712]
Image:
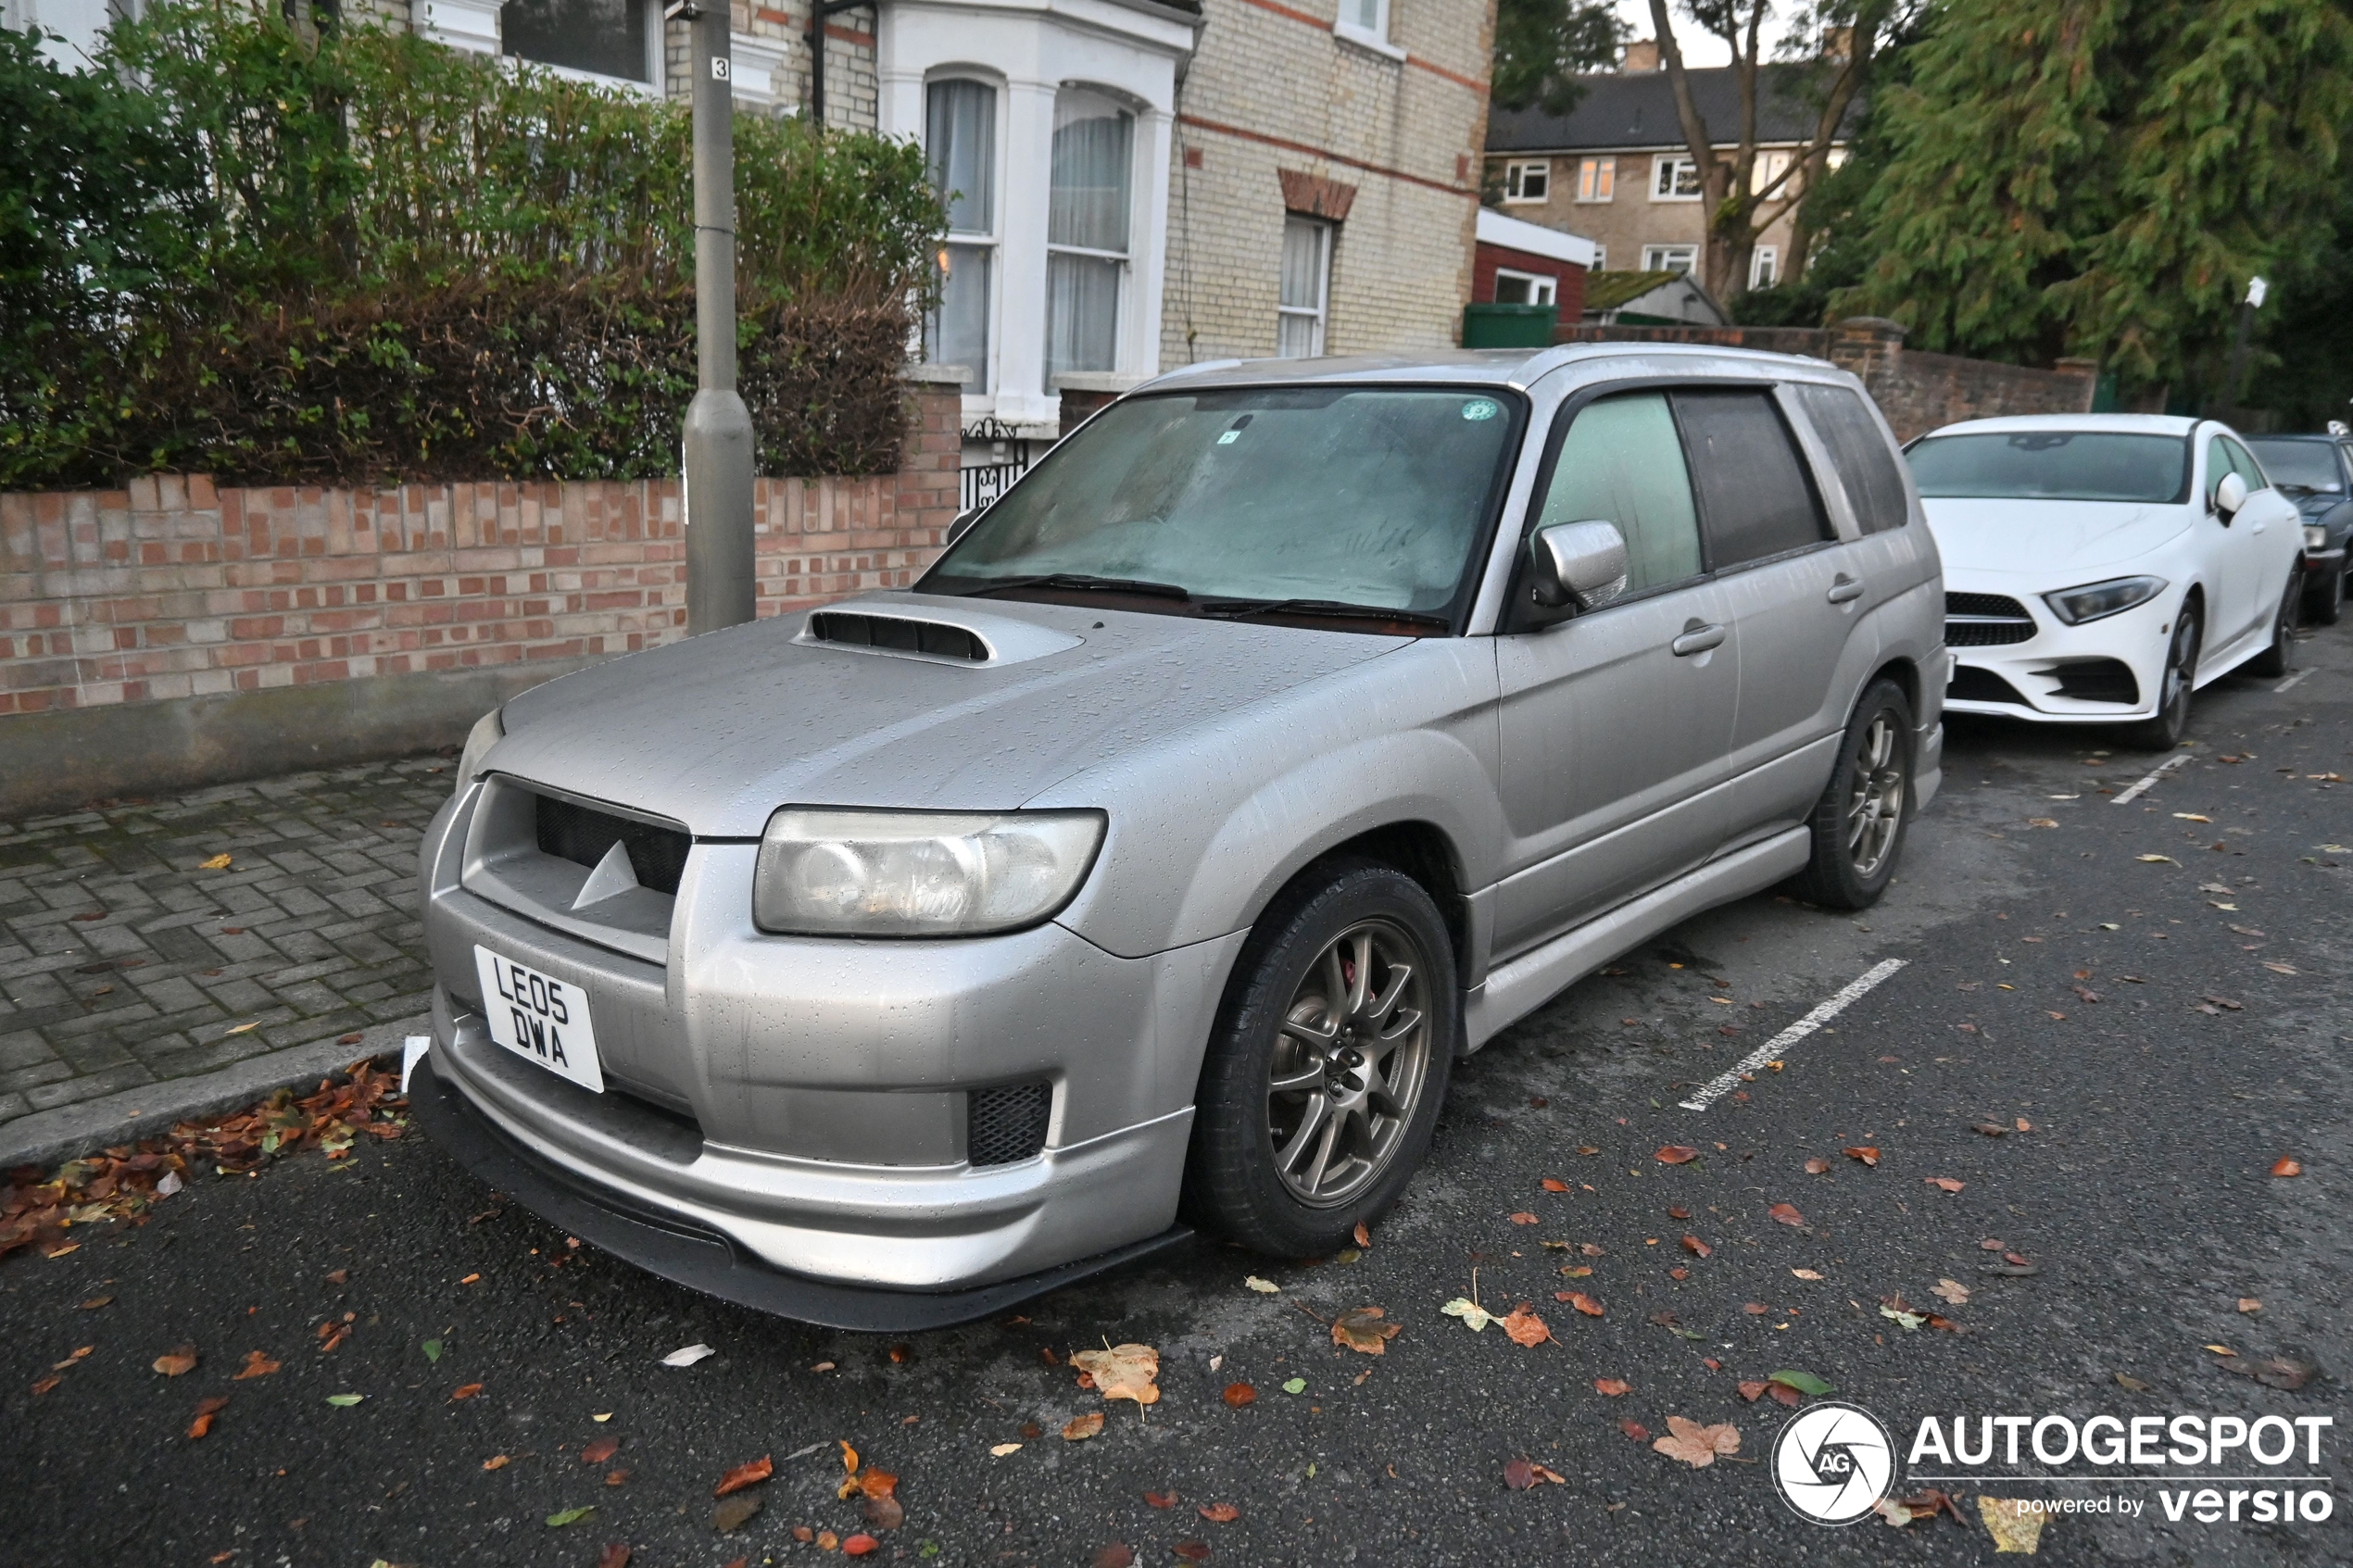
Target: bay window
[1090, 195]
[960, 145]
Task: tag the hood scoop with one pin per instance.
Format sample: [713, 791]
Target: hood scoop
[950, 636]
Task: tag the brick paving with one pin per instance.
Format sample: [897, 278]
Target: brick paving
[123, 962]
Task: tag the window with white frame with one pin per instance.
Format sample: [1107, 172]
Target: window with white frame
[1596, 179]
[1669, 258]
[614, 38]
[1674, 178]
[1089, 195]
[1771, 164]
[1524, 288]
[1367, 20]
[960, 145]
[1601, 259]
[1528, 181]
[1764, 267]
[1305, 299]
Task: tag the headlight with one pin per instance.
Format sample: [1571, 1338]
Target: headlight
[2095, 600]
[833, 873]
[479, 740]
[2316, 538]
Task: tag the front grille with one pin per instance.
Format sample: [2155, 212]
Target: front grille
[582, 835]
[1008, 1124]
[1976, 621]
[897, 632]
[2098, 680]
[1970, 684]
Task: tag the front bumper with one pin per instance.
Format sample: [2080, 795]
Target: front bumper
[2050, 675]
[798, 1105]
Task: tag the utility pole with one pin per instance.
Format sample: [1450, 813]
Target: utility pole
[721, 588]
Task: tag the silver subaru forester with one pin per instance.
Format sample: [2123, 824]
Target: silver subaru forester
[1286, 732]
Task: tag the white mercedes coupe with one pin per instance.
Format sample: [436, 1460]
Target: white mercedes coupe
[2100, 568]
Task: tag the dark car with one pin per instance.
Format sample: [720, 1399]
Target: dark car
[2316, 472]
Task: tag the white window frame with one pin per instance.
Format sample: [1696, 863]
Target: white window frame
[1658, 257]
[1598, 173]
[1125, 260]
[1515, 175]
[1666, 178]
[1600, 258]
[984, 376]
[1543, 287]
[1375, 37]
[1765, 267]
[1767, 169]
[1320, 313]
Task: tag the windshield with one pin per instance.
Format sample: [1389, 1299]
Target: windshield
[2309, 465]
[1361, 496]
[2054, 465]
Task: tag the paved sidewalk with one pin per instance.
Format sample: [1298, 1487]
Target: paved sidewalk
[124, 963]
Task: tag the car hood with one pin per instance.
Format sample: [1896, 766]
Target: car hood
[2057, 540]
[718, 731]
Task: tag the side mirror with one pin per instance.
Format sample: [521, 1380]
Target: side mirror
[1581, 564]
[2230, 495]
[964, 519]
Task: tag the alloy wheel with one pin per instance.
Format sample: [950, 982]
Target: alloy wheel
[2181, 672]
[1352, 1064]
[1875, 802]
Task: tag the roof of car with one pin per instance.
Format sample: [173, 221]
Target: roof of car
[2137, 424]
[2319, 437]
[1491, 367]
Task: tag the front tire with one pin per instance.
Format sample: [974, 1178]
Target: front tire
[2273, 660]
[2176, 685]
[1858, 824]
[1328, 1064]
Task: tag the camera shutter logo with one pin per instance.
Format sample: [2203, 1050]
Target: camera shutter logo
[1832, 1462]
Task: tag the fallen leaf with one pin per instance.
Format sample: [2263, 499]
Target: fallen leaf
[1897, 1312]
[1525, 1218]
[1240, 1394]
[615, 1478]
[859, 1545]
[1160, 1499]
[2158, 859]
[1677, 1154]
[1951, 1290]
[1806, 1274]
[615, 1555]
[465, 1391]
[2023, 1125]
[1696, 1445]
[1001, 1450]
[736, 1512]
[1585, 1303]
[1612, 1387]
[1294, 1386]
[206, 1410]
[1474, 1316]
[2283, 1167]
[1816, 1166]
[1191, 1551]
[2015, 1524]
[871, 1482]
[2277, 1372]
[2280, 968]
[2134, 1384]
[1079, 1428]
[1364, 1236]
[1525, 1327]
[96, 1303]
[1521, 1474]
[1786, 1213]
[217, 864]
[687, 1355]
[2250, 1304]
[1804, 1383]
[1868, 1154]
[1943, 1184]
[175, 1364]
[1751, 1389]
[1635, 1430]
[257, 1365]
[1553, 1184]
[1756, 1308]
[570, 1517]
[1362, 1328]
[432, 1348]
[345, 1401]
[1219, 1512]
[1697, 1248]
[1264, 1286]
[1124, 1372]
[1113, 1554]
[604, 1448]
[750, 1474]
[497, 1461]
[1591, 1249]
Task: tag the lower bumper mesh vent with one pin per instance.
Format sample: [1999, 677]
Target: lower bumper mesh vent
[1006, 1125]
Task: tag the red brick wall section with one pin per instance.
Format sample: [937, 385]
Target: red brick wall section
[1568, 288]
[177, 588]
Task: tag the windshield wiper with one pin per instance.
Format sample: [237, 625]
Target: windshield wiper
[1082, 581]
[1236, 610]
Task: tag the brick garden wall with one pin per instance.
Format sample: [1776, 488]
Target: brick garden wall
[175, 588]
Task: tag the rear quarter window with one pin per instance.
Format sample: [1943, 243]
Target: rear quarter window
[1867, 465]
[1756, 498]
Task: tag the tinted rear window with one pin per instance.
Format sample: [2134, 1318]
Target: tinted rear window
[2054, 465]
[1868, 465]
[1755, 497]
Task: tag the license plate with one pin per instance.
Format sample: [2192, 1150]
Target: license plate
[540, 1018]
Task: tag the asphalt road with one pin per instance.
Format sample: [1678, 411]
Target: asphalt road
[2141, 1196]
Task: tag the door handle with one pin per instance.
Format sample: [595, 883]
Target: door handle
[1698, 637]
[1843, 589]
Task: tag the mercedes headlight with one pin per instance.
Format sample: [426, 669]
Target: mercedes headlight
[827, 872]
[2095, 601]
[486, 732]
[2316, 538]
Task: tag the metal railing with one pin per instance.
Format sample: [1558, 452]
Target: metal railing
[986, 481]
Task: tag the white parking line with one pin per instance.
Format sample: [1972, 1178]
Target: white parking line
[2291, 680]
[2141, 789]
[1776, 1046]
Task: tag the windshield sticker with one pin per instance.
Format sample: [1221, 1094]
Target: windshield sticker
[1480, 408]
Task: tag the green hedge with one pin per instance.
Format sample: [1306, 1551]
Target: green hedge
[251, 251]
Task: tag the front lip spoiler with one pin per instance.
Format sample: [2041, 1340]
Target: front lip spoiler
[702, 1260]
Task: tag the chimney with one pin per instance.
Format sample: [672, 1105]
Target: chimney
[1641, 55]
